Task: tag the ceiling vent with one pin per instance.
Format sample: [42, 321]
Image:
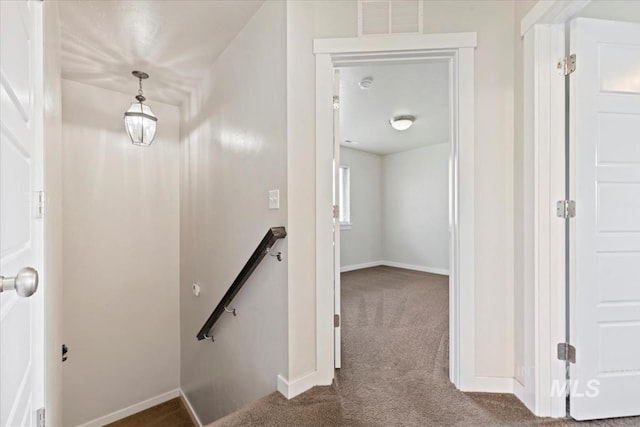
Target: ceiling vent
[389, 17]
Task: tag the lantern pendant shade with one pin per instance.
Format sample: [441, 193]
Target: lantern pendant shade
[141, 124]
[139, 120]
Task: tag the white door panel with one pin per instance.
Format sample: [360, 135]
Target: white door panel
[16, 70]
[605, 245]
[21, 358]
[619, 72]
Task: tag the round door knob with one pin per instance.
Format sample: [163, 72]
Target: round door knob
[27, 282]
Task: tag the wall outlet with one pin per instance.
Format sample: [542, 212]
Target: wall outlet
[196, 289]
[274, 199]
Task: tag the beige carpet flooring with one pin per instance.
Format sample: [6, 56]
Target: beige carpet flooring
[395, 366]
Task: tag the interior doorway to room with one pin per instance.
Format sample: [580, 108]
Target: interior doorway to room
[393, 131]
[334, 54]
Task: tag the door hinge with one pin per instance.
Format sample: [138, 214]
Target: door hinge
[566, 352]
[567, 65]
[65, 350]
[336, 211]
[39, 203]
[336, 102]
[336, 320]
[566, 209]
[40, 421]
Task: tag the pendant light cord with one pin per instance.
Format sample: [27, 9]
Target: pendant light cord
[140, 97]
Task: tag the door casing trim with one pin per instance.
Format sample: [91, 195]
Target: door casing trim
[544, 168]
[459, 48]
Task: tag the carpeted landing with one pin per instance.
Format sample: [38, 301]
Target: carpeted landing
[394, 366]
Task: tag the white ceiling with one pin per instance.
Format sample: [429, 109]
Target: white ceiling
[418, 89]
[174, 41]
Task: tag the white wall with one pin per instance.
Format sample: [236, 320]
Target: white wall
[399, 209]
[494, 80]
[362, 244]
[233, 151]
[416, 208]
[120, 245]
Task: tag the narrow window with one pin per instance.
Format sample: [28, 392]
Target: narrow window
[344, 200]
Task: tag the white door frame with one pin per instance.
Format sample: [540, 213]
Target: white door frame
[544, 170]
[460, 48]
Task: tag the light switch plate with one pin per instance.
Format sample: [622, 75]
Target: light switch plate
[196, 289]
[274, 199]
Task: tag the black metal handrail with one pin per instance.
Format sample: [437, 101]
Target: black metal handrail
[273, 235]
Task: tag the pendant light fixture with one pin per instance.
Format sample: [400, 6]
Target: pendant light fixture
[139, 119]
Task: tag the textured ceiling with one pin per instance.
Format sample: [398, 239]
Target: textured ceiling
[418, 89]
[174, 41]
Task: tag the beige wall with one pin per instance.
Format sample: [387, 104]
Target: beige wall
[522, 7]
[301, 179]
[494, 78]
[494, 83]
[52, 278]
[233, 151]
[305, 21]
[120, 267]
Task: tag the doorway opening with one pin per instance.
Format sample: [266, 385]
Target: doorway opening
[392, 155]
[455, 53]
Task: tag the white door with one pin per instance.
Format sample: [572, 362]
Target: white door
[21, 344]
[336, 220]
[605, 245]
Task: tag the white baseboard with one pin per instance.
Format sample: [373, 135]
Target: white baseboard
[423, 268]
[491, 385]
[434, 270]
[346, 268]
[192, 412]
[133, 409]
[291, 389]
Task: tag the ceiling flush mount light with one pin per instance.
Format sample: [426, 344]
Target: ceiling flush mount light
[139, 119]
[402, 122]
[366, 83]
